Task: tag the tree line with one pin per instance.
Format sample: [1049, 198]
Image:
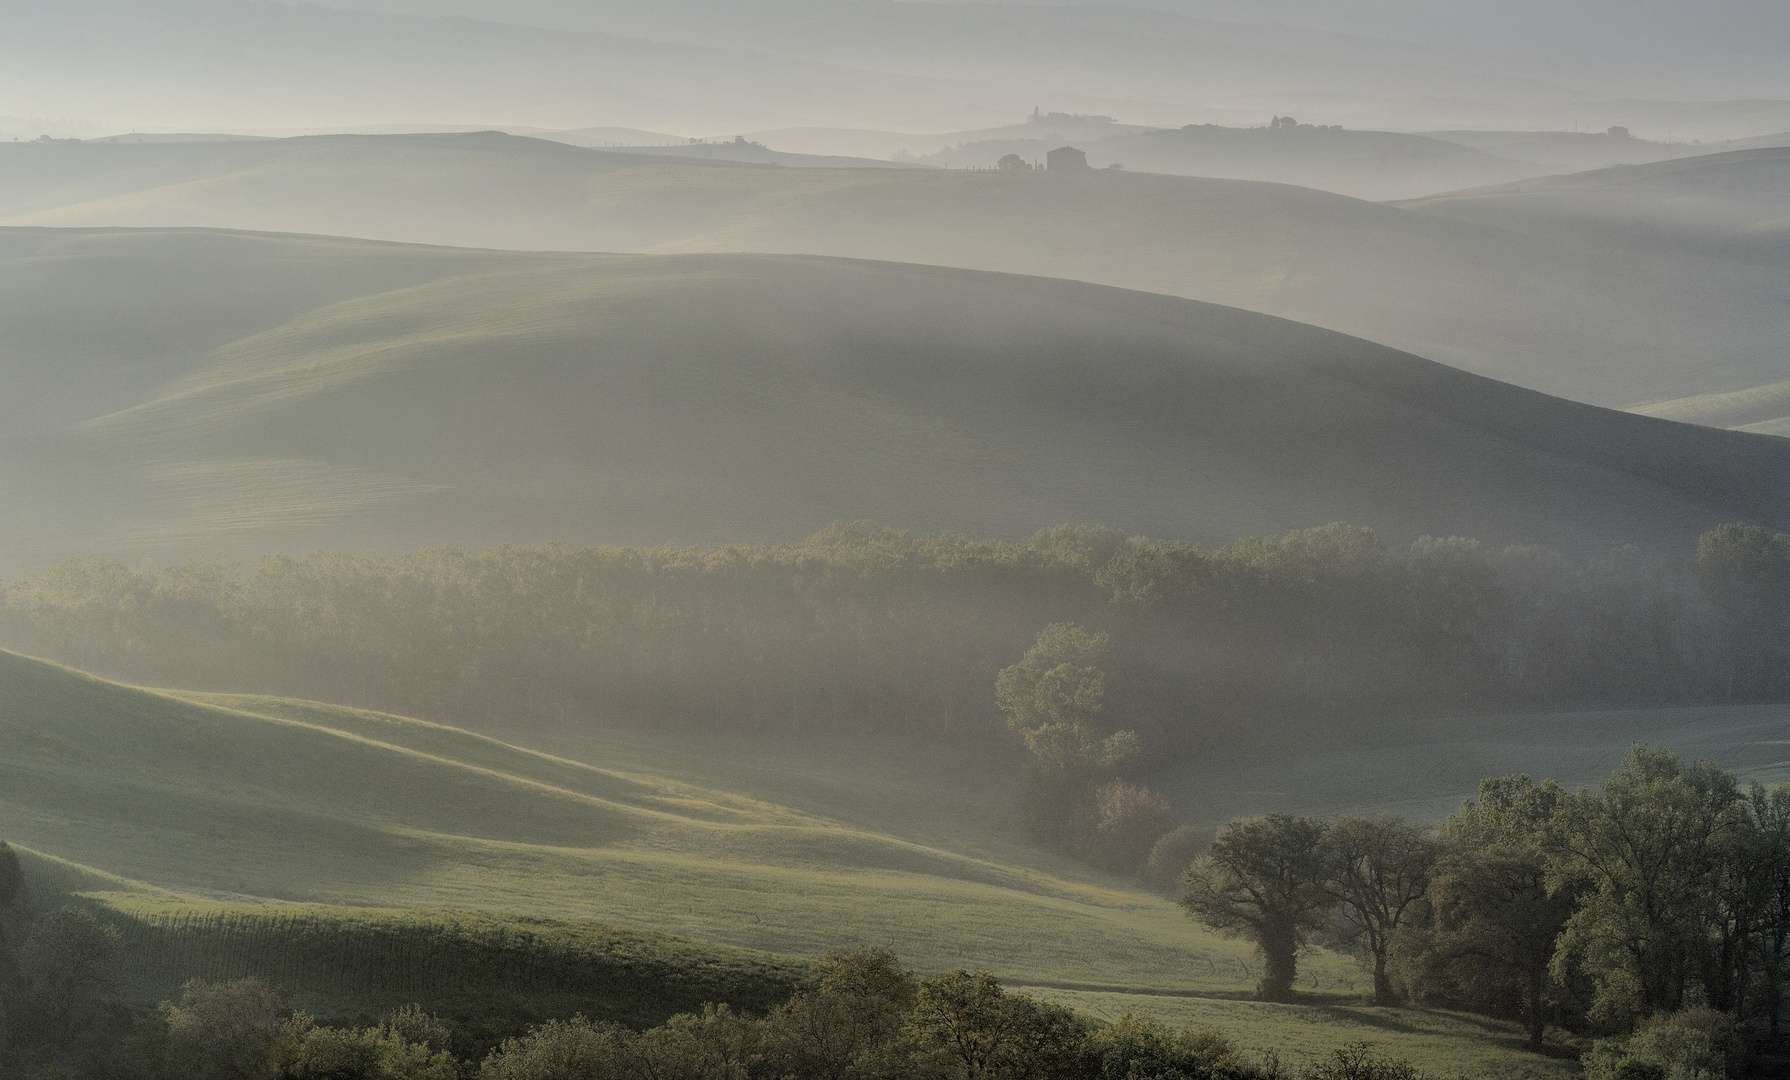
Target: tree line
[864, 1017]
[867, 629]
[1653, 911]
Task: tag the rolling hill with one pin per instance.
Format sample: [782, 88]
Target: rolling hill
[283, 837]
[182, 392]
[1576, 151]
[1735, 203]
[247, 799]
[491, 973]
[1596, 322]
[1721, 213]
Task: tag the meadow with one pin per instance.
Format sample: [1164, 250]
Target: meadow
[243, 835]
[328, 805]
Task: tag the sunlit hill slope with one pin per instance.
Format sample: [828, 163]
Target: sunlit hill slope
[270, 799]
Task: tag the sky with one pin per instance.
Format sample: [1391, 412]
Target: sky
[706, 68]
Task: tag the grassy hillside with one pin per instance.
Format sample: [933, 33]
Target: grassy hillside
[246, 393]
[325, 805]
[282, 811]
[1583, 320]
[490, 974]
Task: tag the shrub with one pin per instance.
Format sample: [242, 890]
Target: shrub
[413, 1025]
[717, 1044]
[864, 996]
[69, 964]
[967, 1023]
[1357, 1061]
[1128, 820]
[231, 1031]
[1694, 1044]
[575, 1049]
[1172, 854]
[1140, 1048]
[367, 1054]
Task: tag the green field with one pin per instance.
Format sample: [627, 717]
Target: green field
[254, 835]
[491, 974]
[1588, 320]
[325, 805]
[261, 393]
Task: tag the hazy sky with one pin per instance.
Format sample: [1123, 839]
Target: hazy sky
[709, 67]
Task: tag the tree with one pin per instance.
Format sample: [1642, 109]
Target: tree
[1264, 879]
[715, 1044]
[375, 1053]
[70, 962]
[1496, 913]
[863, 998]
[1128, 820]
[231, 1031]
[575, 1049]
[1052, 700]
[1646, 847]
[1172, 854]
[981, 1032]
[1745, 571]
[1011, 163]
[1769, 811]
[1379, 868]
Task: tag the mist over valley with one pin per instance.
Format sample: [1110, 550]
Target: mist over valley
[824, 539]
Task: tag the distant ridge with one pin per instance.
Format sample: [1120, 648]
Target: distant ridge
[1595, 320]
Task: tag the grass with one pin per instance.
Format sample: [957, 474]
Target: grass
[1589, 321]
[490, 974]
[246, 835]
[323, 805]
[295, 393]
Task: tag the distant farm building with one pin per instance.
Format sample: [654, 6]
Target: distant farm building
[1066, 158]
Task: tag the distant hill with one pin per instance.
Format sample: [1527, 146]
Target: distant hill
[1734, 203]
[1364, 164]
[1764, 409]
[1726, 220]
[1587, 320]
[1573, 151]
[179, 392]
[756, 154]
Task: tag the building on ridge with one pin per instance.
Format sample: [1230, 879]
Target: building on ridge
[1066, 159]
